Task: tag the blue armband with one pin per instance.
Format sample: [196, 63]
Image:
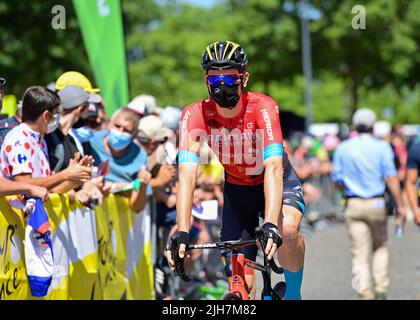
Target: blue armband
[273, 150]
[187, 157]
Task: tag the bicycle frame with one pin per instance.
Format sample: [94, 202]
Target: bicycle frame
[239, 262]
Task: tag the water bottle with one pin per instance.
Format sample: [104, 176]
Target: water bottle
[399, 228]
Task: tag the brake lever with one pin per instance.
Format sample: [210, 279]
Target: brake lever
[179, 262]
[276, 269]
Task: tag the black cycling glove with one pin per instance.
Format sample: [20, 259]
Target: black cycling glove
[267, 231]
[180, 237]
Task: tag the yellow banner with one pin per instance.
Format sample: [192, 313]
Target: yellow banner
[98, 254]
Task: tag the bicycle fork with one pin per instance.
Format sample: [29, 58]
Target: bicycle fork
[237, 282]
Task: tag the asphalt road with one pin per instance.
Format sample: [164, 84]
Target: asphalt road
[327, 273]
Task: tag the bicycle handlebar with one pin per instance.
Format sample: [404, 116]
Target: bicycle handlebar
[232, 244]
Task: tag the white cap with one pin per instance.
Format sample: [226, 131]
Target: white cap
[138, 106]
[151, 127]
[170, 117]
[144, 104]
[365, 117]
[381, 129]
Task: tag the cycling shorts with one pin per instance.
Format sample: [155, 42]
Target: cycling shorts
[243, 205]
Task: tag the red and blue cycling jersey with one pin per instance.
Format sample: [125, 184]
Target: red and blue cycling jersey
[241, 143]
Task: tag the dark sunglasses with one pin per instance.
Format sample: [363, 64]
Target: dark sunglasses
[228, 79]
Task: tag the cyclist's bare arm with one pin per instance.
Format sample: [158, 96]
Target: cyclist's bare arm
[187, 180]
[273, 191]
[269, 125]
[184, 201]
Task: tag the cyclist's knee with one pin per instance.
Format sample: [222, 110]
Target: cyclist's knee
[290, 232]
[290, 224]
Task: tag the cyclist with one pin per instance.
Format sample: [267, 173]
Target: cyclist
[243, 129]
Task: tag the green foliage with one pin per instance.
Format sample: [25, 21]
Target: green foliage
[31, 51]
[169, 67]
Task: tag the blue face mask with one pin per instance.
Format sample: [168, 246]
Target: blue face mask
[83, 134]
[119, 140]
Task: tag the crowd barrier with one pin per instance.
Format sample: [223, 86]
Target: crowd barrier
[329, 204]
[105, 253]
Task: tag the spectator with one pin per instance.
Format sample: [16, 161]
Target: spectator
[413, 171]
[138, 106]
[12, 187]
[151, 133]
[24, 151]
[74, 78]
[95, 116]
[400, 149]
[382, 130]
[167, 153]
[360, 166]
[144, 105]
[81, 132]
[126, 159]
[61, 145]
[83, 129]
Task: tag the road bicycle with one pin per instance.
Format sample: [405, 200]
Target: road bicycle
[238, 288]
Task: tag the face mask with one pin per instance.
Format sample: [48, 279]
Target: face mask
[80, 123]
[119, 140]
[53, 126]
[83, 134]
[225, 96]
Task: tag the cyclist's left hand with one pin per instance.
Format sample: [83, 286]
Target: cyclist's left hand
[268, 235]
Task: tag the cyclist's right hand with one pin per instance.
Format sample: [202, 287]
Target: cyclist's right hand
[177, 245]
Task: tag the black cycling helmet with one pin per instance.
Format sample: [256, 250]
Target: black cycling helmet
[224, 55]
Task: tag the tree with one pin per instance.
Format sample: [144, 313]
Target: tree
[170, 49]
[32, 52]
[384, 53]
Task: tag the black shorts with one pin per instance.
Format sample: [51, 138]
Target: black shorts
[243, 205]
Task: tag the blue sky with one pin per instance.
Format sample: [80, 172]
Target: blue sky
[202, 3]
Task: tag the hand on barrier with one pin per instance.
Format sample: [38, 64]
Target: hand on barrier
[38, 192]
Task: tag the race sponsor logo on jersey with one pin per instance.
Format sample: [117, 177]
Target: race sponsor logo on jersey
[21, 158]
[267, 121]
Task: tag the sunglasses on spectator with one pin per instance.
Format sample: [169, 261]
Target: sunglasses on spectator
[228, 79]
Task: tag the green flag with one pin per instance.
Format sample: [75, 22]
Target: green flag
[102, 30]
